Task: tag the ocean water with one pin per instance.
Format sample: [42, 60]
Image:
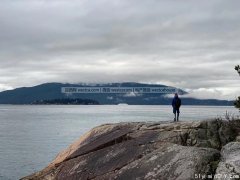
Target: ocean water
[31, 136]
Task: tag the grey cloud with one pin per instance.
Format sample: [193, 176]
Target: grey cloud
[191, 45]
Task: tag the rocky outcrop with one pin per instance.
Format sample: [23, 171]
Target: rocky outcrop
[150, 150]
[229, 166]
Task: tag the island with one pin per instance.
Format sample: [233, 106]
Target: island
[66, 101]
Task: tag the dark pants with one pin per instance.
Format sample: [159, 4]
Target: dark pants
[176, 114]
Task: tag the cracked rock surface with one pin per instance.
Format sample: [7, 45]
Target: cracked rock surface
[148, 150]
[229, 166]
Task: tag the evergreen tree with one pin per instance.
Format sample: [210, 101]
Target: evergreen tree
[237, 102]
[237, 68]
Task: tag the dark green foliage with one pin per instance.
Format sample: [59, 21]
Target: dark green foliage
[67, 102]
[237, 68]
[237, 103]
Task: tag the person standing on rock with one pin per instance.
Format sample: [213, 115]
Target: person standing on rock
[176, 103]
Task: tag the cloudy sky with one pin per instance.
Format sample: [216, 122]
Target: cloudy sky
[189, 44]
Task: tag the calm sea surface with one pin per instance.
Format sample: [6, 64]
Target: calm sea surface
[31, 136]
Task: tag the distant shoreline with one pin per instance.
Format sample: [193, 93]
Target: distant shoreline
[52, 91]
[111, 105]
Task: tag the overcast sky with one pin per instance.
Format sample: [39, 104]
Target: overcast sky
[189, 44]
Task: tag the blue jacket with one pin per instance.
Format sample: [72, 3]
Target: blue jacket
[174, 102]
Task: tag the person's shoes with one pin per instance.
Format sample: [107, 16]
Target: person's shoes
[174, 119]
